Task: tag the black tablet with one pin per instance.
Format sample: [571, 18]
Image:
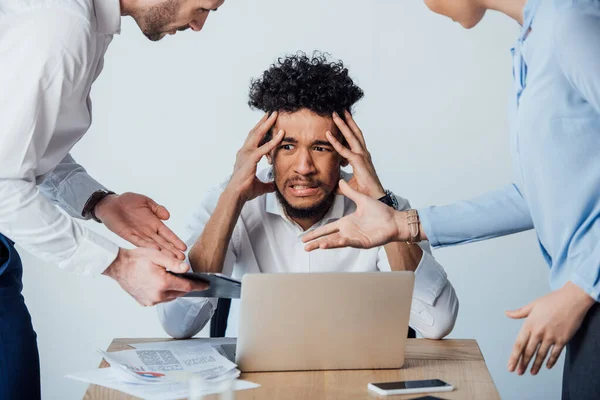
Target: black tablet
[221, 286]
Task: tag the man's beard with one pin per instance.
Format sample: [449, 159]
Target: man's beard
[319, 209]
[154, 20]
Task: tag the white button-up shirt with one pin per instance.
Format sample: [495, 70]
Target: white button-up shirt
[266, 240]
[51, 51]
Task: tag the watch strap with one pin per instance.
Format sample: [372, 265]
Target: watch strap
[389, 199]
[414, 226]
[90, 206]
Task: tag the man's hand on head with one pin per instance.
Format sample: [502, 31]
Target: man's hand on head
[139, 220]
[243, 180]
[209, 252]
[365, 179]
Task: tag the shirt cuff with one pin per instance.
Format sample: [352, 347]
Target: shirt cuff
[430, 279]
[592, 290]
[586, 270]
[93, 255]
[76, 191]
[186, 316]
[425, 218]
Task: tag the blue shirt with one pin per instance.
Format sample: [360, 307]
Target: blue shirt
[555, 145]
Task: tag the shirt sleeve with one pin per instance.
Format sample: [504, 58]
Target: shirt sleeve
[434, 305]
[186, 317]
[577, 44]
[33, 84]
[496, 213]
[69, 186]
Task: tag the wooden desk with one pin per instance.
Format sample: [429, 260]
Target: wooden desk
[458, 362]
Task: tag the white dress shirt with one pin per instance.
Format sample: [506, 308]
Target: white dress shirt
[266, 240]
[51, 51]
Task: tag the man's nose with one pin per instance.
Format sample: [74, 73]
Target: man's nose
[198, 23]
[304, 163]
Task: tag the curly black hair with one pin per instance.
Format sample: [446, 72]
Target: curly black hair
[300, 81]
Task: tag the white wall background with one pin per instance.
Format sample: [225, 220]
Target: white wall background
[169, 117]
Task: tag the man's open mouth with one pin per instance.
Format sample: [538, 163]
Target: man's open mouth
[304, 189]
[304, 186]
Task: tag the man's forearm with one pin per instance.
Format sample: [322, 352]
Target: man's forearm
[403, 256]
[69, 186]
[30, 220]
[208, 253]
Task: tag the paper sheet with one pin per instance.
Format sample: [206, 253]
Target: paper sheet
[202, 360]
[184, 344]
[225, 346]
[112, 378]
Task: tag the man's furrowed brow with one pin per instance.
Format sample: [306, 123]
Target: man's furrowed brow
[289, 140]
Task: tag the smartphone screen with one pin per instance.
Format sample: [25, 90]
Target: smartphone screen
[427, 383]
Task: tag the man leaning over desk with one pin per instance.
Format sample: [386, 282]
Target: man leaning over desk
[255, 223]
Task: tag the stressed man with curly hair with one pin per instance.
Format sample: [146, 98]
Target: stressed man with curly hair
[254, 221]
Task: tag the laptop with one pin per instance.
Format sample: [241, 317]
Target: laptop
[323, 321]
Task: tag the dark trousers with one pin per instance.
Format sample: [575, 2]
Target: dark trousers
[19, 359]
[581, 376]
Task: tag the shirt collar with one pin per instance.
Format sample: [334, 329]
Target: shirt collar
[337, 209]
[272, 205]
[108, 16]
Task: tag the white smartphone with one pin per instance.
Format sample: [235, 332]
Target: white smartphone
[404, 387]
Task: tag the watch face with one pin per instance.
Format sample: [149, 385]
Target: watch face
[389, 200]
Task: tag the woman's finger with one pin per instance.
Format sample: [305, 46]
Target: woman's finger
[542, 353]
[323, 231]
[518, 348]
